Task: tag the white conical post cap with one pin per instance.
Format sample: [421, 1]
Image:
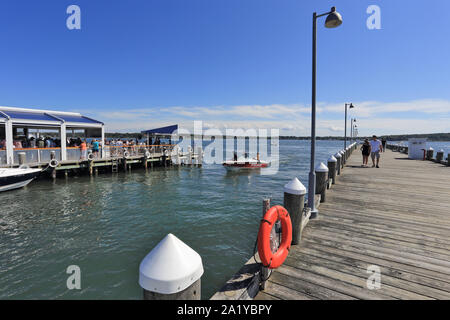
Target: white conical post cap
[170, 267]
[442, 150]
[295, 187]
[338, 155]
[332, 159]
[431, 148]
[321, 168]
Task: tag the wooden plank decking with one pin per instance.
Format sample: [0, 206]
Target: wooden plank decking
[396, 217]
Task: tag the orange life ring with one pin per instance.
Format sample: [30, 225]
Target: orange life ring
[268, 258]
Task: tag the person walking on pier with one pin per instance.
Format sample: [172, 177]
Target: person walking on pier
[366, 148]
[376, 148]
[383, 142]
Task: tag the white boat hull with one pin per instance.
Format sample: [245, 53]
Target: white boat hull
[11, 178]
[15, 185]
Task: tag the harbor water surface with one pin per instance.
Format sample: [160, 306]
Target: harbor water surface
[107, 224]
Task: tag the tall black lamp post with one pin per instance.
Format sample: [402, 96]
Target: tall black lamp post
[334, 19]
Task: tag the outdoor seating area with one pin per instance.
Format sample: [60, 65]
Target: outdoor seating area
[36, 136]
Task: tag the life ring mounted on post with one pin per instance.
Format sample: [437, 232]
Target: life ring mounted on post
[268, 258]
[53, 163]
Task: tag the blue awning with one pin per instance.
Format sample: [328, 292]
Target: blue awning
[18, 115]
[79, 119]
[163, 130]
[43, 117]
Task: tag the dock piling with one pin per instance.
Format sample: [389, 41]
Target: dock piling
[321, 180]
[440, 156]
[199, 156]
[338, 157]
[52, 157]
[22, 157]
[171, 271]
[332, 162]
[430, 153]
[342, 159]
[294, 202]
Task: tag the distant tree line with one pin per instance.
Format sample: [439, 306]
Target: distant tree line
[399, 137]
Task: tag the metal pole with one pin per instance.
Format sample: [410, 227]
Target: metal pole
[351, 130]
[312, 174]
[345, 130]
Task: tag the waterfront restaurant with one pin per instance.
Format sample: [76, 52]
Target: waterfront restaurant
[43, 133]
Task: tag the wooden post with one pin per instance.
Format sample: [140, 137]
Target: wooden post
[199, 156]
[52, 157]
[144, 160]
[265, 271]
[294, 202]
[430, 153]
[448, 159]
[90, 163]
[338, 157]
[190, 156]
[22, 157]
[332, 162]
[321, 180]
[440, 156]
[171, 271]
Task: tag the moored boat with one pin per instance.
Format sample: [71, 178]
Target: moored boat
[245, 163]
[14, 178]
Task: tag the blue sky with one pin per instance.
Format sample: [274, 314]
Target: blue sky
[231, 63]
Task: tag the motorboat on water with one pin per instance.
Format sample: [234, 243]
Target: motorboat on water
[14, 178]
[245, 163]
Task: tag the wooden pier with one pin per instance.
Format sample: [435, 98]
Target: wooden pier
[118, 163]
[396, 218]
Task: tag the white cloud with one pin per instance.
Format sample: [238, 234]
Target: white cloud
[373, 117]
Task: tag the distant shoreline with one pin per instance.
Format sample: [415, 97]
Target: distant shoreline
[429, 137]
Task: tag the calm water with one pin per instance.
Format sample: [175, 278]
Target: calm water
[107, 224]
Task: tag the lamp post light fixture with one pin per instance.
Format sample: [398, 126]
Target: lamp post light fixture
[351, 106]
[333, 20]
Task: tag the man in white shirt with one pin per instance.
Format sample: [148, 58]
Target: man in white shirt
[376, 149]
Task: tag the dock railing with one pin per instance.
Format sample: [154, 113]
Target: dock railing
[44, 155]
[137, 150]
[2, 157]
